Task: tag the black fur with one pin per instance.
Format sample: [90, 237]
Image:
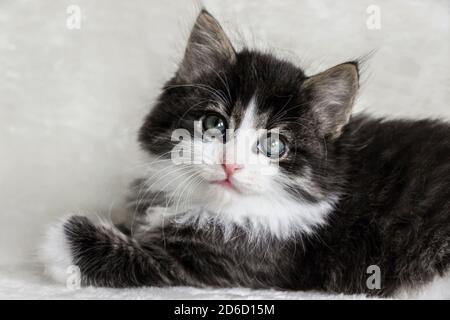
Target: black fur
[392, 177]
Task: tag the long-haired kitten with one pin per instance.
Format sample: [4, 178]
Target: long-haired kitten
[260, 177]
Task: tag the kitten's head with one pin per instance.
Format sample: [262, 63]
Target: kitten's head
[256, 133]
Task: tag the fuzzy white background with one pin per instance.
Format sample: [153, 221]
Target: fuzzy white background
[72, 100]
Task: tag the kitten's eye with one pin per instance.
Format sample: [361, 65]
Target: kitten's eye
[214, 122]
[272, 146]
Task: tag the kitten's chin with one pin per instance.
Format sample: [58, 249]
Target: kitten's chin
[221, 197]
[226, 186]
[218, 196]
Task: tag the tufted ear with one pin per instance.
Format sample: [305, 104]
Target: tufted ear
[208, 47]
[332, 94]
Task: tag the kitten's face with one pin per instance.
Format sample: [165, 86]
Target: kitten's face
[271, 125]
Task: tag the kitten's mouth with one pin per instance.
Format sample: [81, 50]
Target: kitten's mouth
[227, 184]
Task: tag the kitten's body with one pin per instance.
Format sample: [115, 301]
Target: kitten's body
[366, 192]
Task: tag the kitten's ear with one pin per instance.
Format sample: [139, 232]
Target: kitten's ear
[208, 47]
[332, 94]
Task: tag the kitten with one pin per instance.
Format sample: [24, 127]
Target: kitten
[319, 198]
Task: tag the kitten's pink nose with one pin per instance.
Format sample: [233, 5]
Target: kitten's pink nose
[230, 168]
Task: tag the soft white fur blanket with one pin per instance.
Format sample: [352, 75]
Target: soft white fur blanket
[72, 100]
[26, 282]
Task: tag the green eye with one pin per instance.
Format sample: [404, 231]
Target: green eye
[272, 146]
[214, 122]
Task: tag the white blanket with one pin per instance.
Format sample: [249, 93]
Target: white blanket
[28, 282]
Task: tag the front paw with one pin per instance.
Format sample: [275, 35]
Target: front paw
[56, 252]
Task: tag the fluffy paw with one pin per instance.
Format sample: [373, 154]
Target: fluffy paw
[55, 252]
